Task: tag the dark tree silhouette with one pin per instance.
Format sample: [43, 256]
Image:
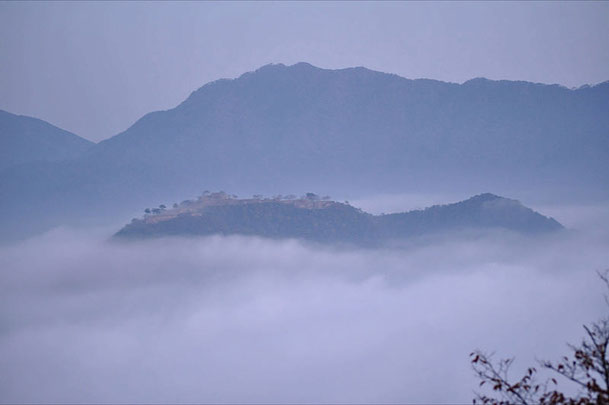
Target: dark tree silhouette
[587, 367]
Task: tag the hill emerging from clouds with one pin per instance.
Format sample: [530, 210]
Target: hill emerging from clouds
[342, 132]
[310, 218]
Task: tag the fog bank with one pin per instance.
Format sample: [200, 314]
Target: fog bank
[234, 319]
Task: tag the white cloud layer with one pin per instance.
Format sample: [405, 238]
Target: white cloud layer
[249, 320]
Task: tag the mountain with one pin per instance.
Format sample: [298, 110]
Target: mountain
[282, 125]
[26, 140]
[348, 131]
[328, 221]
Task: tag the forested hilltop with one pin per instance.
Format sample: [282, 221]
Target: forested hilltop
[320, 219]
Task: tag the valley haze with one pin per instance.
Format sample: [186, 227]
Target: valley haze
[450, 217]
[248, 319]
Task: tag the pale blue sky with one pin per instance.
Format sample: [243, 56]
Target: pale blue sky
[95, 68]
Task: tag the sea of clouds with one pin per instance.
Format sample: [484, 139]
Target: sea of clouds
[236, 319]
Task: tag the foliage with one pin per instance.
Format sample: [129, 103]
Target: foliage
[587, 368]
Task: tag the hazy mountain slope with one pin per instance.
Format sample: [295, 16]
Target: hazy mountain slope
[300, 122]
[26, 140]
[329, 221]
[349, 131]
[481, 211]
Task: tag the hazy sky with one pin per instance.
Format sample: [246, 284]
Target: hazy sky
[95, 68]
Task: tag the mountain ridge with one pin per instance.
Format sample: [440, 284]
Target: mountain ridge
[345, 132]
[25, 139]
[280, 67]
[323, 220]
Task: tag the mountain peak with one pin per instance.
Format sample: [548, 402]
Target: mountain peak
[303, 65]
[269, 67]
[276, 67]
[477, 81]
[494, 201]
[486, 197]
[26, 139]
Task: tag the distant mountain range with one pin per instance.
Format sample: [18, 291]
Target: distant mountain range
[343, 132]
[26, 140]
[310, 218]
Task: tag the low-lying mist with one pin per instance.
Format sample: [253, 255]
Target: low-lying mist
[235, 319]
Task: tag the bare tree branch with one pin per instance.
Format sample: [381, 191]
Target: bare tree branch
[588, 368]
